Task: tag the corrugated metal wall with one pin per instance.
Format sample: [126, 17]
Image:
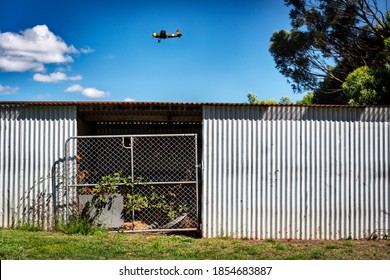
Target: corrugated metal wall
[31, 154]
[295, 172]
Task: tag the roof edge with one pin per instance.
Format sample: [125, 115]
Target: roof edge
[144, 103]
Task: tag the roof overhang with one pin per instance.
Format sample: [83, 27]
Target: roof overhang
[121, 111]
[127, 111]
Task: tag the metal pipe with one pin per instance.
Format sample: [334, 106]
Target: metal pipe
[140, 183]
[197, 179]
[132, 178]
[66, 179]
[134, 136]
[154, 230]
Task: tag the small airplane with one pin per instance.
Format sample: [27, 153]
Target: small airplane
[164, 35]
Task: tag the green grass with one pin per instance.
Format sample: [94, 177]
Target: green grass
[81, 226]
[26, 244]
[28, 227]
[348, 243]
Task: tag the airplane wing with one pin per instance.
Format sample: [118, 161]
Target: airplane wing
[164, 35]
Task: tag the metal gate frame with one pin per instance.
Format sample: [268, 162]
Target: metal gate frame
[73, 184]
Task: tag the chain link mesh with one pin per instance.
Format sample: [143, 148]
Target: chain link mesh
[155, 177]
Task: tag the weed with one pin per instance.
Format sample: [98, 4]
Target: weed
[223, 246]
[223, 237]
[18, 244]
[250, 250]
[81, 226]
[316, 254]
[280, 247]
[120, 236]
[269, 240]
[331, 246]
[28, 227]
[348, 244]
[158, 245]
[183, 239]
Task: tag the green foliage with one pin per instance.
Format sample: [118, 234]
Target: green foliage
[280, 247]
[270, 240]
[368, 86]
[360, 87]
[289, 51]
[348, 243]
[331, 246]
[28, 227]
[80, 225]
[317, 254]
[328, 41]
[17, 244]
[285, 101]
[108, 185]
[166, 203]
[136, 202]
[307, 99]
[252, 99]
[102, 197]
[145, 197]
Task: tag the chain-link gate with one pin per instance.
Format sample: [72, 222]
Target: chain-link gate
[134, 182]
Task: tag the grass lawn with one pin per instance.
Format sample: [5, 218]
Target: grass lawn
[41, 245]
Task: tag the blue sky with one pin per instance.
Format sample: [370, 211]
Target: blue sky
[104, 50]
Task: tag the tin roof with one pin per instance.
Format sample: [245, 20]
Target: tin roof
[103, 111]
[125, 111]
[155, 103]
[86, 102]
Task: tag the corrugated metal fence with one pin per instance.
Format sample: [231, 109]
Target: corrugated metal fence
[31, 153]
[295, 172]
[268, 171]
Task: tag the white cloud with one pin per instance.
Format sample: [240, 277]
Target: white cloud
[64, 68]
[43, 97]
[87, 50]
[5, 90]
[74, 88]
[55, 77]
[31, 49]
[94, 93]
[88, 92]
[128, 99]
[15, 64]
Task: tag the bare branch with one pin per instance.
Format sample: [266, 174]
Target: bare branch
[363, 15]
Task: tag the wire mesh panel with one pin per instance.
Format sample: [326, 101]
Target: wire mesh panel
[155, 177]
[164, 159]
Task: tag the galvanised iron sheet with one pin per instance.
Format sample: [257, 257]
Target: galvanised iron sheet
[31, 156]
[295, 172]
